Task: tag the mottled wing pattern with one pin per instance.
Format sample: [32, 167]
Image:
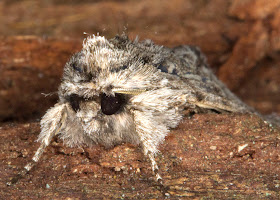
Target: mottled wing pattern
[190, 65]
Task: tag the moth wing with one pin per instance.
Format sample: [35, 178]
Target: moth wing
[188, 63]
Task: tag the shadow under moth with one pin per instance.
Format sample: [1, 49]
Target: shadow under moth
[118, 90]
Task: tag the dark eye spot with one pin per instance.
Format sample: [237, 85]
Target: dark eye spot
[162, 68]
[174, 72]
[204, 79]
[111, 104]
[76, 67]
[75, 102]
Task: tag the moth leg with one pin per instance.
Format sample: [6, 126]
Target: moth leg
[51, 124]
[154, 166]
[29, 166]
[147, 146]
[149, 139]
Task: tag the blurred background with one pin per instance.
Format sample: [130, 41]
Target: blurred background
[240, 38]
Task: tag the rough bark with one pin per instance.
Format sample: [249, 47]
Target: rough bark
[209, 155]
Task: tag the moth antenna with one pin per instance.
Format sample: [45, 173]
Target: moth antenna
[53, 121]
[128, 91]
[49, 94]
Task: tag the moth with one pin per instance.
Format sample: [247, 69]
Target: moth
[118, 90]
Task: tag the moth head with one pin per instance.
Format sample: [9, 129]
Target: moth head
[107, 72]
[92, 75]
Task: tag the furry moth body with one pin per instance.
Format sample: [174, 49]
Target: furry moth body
[117, 90]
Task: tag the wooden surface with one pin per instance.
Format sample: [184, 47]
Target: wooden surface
[210, 155]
